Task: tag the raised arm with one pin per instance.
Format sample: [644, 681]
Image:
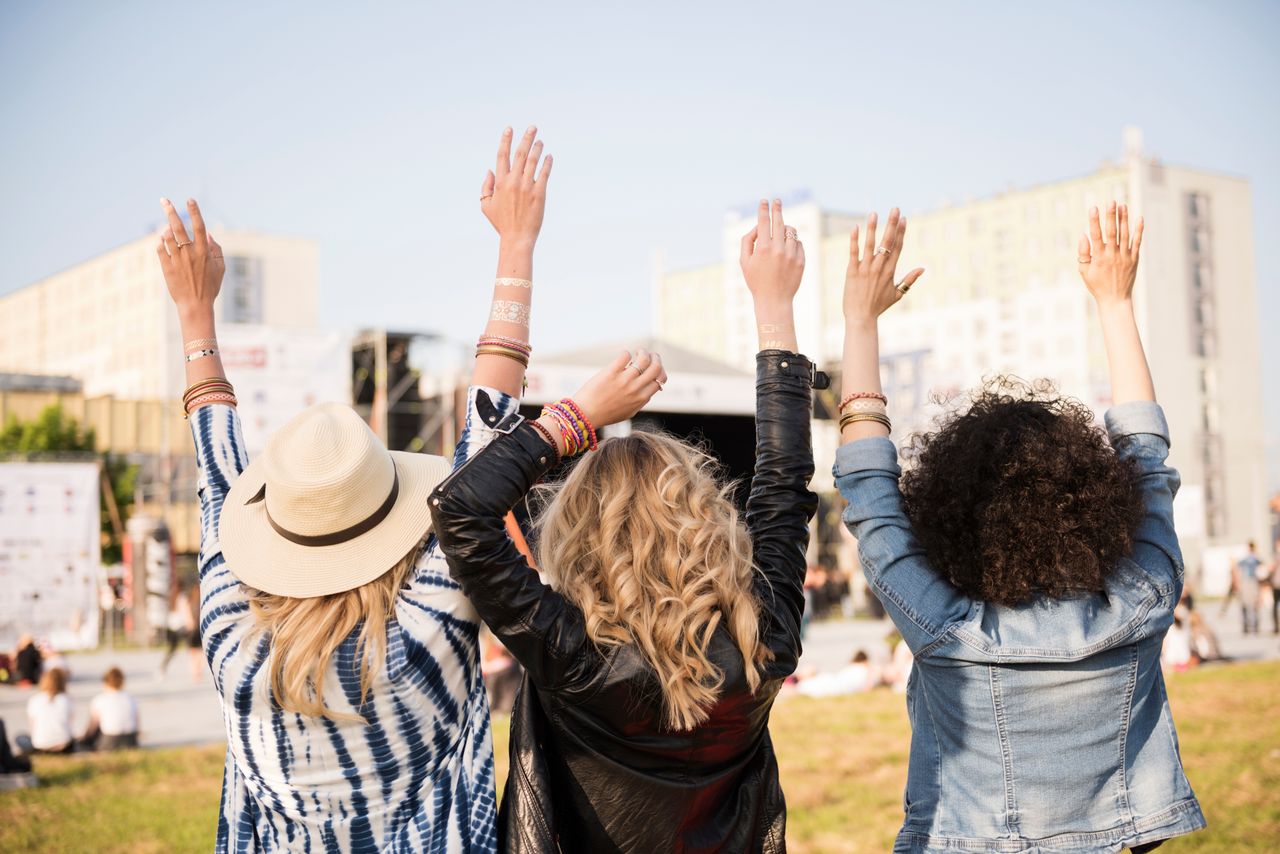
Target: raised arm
[540, 628]
[921, 602]
[780, 504]
[1108, 258]
[1109, 268]
[193, 268]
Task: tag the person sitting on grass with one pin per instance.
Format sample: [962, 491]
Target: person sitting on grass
[49, 716]
[1033, 569]
[113, 716]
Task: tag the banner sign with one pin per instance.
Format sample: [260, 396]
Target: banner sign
[50, 551]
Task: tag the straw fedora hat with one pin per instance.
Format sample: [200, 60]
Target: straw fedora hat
[326, 507]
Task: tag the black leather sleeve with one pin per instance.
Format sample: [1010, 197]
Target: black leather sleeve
[541, 629]
[781, 504]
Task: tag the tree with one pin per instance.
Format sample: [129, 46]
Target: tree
[52, 433]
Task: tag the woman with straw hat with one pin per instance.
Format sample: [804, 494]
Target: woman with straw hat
[346, 657]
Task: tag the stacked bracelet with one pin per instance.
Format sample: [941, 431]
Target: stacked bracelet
[576, 431]
[855, 417]
[211, 390]
[500, 345]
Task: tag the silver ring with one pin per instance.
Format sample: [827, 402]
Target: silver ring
[789, 234]
[883, 250]
[1083, 260]
[638, 369]
[660, 386]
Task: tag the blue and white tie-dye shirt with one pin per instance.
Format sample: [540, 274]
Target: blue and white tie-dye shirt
[419, 775]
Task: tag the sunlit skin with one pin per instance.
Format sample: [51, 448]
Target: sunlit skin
[513, 197]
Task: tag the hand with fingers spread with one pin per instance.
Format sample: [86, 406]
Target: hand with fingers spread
[621, 388]
[513, 196]
[1109, 261]
[772, 260]
[869, 287]
[192, 265]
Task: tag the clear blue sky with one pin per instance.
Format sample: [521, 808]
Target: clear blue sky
[370, 130]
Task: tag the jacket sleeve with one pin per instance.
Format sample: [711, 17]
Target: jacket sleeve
[921, 603]
[781, 504]
[220, 458]
[544, 631]
[1139, 433]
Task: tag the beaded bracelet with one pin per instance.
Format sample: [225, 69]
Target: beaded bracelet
[580, 423]
[592, 444]
[572, 441]
[859, 395]
[546, 435]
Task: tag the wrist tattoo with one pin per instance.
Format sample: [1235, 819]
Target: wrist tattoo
[510, 311]
[508, 282]
[772, 344]
[770, 328]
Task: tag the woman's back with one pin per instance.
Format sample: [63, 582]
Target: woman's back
[415, 775]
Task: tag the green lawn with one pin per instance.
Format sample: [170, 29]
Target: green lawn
[843, 767]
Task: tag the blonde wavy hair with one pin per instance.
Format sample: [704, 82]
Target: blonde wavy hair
[643, 538]
[304, 633]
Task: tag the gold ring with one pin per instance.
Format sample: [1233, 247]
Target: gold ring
[638, 369]
[1083, 260]
[883, 250]
[789, 234]
[490, 196]
[902, 287]
[188, 243]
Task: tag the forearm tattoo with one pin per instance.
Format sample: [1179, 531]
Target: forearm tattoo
[510, 311]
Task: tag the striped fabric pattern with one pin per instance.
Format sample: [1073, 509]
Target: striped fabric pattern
[419, 775]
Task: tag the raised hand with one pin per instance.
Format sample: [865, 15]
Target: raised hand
[513, 196]
[1108, 257]
[192, 265]
[869, 287]
[621, 388]
[772, 262]
[772, 257]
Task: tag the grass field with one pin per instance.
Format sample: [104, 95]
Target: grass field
[843, 768]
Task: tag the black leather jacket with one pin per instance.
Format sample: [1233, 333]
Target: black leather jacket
[592, 767]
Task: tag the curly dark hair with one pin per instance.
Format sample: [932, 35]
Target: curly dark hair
[1018, 495]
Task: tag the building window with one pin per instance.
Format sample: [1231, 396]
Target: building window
[243, 289]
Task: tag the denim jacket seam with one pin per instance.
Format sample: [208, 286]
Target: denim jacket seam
[976, 641]
[1006, 751]
[920, 621]
[1126, 809]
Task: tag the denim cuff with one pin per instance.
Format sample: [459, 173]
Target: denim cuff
[876, 453]
[1136, 417]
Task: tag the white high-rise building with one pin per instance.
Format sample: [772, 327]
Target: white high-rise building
[110, 323]
[1002, 294]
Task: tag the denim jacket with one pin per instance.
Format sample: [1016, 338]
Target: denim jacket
[1043, 727]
